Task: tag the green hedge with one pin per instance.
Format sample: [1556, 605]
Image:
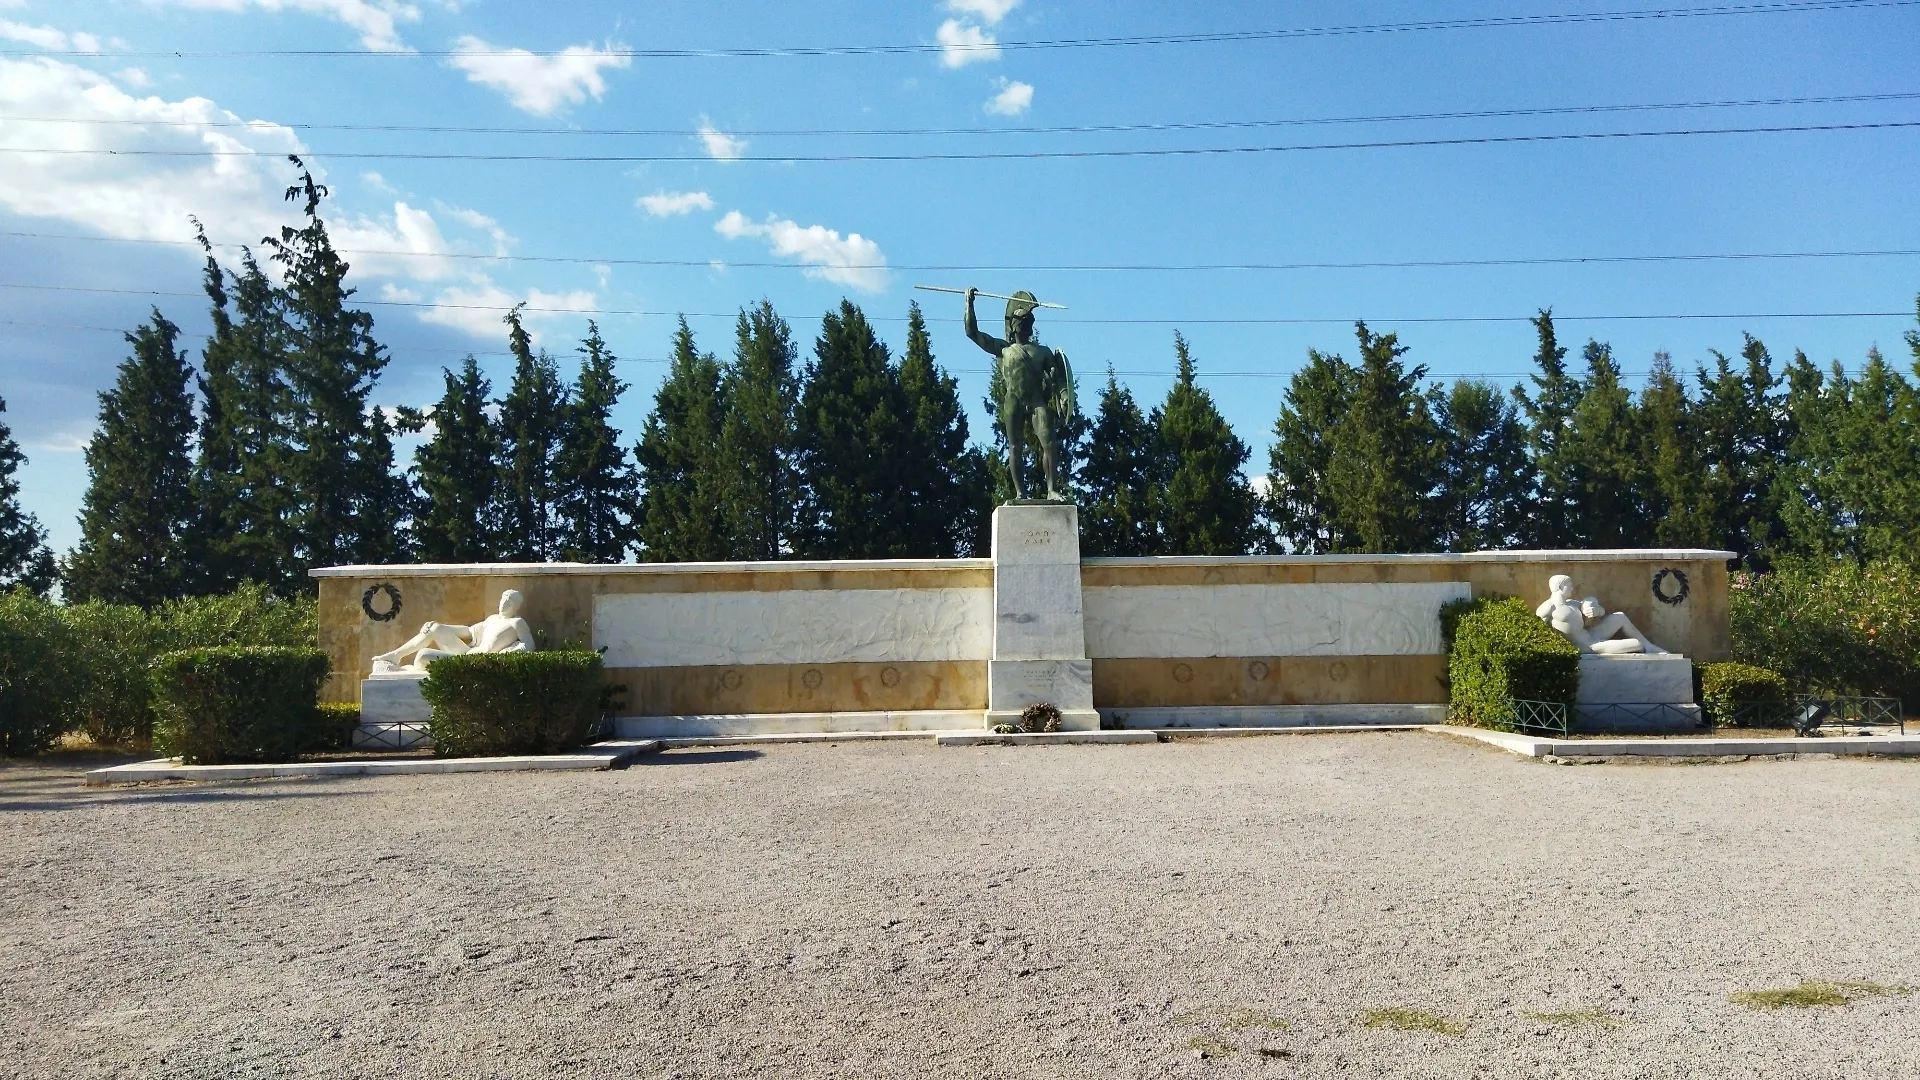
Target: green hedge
[1499, 651]
[97, 669]
[332, 728]
[237, 703]
[1833, 628]
[1726, 687]
[34, 674]
[513, 703]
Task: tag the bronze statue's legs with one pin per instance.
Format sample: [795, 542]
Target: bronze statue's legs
[1015, 423]
[1043, 433]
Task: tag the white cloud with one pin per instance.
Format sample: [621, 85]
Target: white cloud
[852, 260]
[987, 11]
[1014, 98]
[534, 83]
[236, 194]
[719, 144]
[47, 37]
[134, 77]
[964, 43]
[377, 20]
[375, 181]
[478, 309]
[674, 203]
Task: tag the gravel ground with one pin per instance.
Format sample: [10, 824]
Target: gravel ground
[1202, 908]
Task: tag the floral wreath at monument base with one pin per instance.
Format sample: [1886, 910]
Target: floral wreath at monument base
[393, 606]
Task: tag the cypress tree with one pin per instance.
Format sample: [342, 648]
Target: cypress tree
[1553, 517]
[138, 512]
[1872, 440]
[1116, 478]
[1604, 454]
[855, 434]
[532, 419]
[1741, 440]
[336, 467]
[754, 466]
[1670, 461]
[1203, 505]
[240, 472]
[1803, 486]
[389, 504]
[1485, 483]
[681, 519]
[1299, 504]
[25, 561]
[458, 473]
[945, 479]
[1384, 472]
[598, 488]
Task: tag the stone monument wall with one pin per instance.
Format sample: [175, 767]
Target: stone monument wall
[1269, 635]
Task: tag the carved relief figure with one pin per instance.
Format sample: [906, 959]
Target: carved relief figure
[1603, 636]
[502, 632]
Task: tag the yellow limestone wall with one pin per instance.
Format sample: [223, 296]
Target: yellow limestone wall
[560, 604]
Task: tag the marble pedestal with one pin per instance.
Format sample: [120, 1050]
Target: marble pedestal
[1039, 630]
[1636, 693]
[393, 714]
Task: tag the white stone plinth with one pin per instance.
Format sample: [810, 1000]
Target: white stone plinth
[1641, 693]
[393, 698]
[1036, 583]
[1012, 685]
[1039, 628]
[1635, 678]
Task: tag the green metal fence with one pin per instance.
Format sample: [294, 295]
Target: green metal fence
[1808, 714]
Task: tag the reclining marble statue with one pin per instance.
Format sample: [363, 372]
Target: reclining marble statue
[1037, 395]
[502, 632]
[1571, 619]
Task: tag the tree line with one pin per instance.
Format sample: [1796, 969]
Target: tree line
[266, 459]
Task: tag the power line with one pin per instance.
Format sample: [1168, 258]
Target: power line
[1317, 321]
[1058, 129]
[1380, 264]
[924, 48]
[1130, 373]
[989, 155]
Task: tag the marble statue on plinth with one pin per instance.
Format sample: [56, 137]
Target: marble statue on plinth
[1602, 636]
[1036, 397]
[502, 632]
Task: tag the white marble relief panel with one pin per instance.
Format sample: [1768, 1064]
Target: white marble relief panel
[1360, 619]
[813, 626]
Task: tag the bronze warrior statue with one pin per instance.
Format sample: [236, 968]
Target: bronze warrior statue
[1036, 394]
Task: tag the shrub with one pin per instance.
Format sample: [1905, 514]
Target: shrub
[331, 728]
[111, 696]
[1839, 628]
[236, 703]
[1724, 688]
[35, 676]
[1501, 652]
[249, 615]
[512, 703]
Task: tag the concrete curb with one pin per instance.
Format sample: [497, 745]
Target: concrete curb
[778, 739]
[1528, 746]
[1043, 738]
[603, 755]
[1184, 733]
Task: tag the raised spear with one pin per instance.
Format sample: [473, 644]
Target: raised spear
[989, 295]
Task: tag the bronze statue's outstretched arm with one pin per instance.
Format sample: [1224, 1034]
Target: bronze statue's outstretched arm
[988, 342]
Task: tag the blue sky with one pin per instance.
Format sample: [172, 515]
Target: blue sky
[178, 75]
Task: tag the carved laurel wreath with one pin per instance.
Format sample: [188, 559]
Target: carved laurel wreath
[393, 602]
[1678, 595]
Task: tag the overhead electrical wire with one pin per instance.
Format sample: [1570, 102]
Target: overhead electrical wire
[1133, 41]
[1056, 129]
[1322, 321]
[987, 155]
[1380, 264]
